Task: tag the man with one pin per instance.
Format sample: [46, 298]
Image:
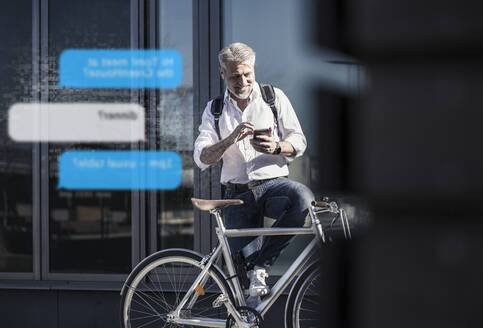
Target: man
[254, 169]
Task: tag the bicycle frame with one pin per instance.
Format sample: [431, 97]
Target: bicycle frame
[223, 248]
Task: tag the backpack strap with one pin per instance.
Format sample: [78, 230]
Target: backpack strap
[268, 95]
[216, 110]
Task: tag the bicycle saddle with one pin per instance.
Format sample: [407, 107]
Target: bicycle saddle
[207, 204]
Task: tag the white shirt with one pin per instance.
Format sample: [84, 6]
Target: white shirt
[241, 163]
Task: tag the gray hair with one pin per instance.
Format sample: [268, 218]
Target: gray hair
[236, 52]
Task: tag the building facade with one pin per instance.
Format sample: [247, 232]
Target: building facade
[65, 253]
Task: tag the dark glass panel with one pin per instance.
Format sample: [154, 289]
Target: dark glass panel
[175, 122]
[15, 158]
[90, 231]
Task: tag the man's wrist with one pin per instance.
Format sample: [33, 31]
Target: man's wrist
[286, 149]
[278, 148]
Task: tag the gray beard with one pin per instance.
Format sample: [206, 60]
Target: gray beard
[241, 98]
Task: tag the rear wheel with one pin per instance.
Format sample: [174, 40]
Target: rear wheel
[159, 283]
[303, 304]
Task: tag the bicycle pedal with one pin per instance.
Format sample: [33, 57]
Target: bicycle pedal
[220, 300]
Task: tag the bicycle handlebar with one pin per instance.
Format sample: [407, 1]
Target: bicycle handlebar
[325, 206]
[319, 203]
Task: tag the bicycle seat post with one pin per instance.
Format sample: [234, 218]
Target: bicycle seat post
[216, 212]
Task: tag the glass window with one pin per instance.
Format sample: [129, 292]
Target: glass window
[15, 158]
[90, 231]
[175, 115]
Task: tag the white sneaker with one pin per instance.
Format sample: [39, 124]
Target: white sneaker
[258, 287]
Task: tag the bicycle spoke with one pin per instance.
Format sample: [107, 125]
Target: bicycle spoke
[148, 307]
[170, 281]
[154, 292]
[176, 290]
[311, 301]
[179, 286]
[306, 302]
[160, 295]
[162, 287]
[148, 316]
[148, 323]
[142, 312]
[155, 296]
[308, 310]
[147, 303]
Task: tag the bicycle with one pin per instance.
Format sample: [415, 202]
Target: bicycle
[182, 288]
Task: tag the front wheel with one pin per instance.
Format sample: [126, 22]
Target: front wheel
[303, 304]
[158, 284]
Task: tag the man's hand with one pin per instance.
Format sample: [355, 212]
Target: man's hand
[212, 154]
[241, 131]
[264, 143]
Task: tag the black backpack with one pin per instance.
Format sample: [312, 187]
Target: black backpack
[268, 95]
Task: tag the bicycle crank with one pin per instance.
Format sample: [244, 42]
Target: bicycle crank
[248, 314]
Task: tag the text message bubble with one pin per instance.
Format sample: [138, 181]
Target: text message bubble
[119, 170]
[76, 122]
[90, 68]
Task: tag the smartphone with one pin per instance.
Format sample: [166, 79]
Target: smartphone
[260, 132]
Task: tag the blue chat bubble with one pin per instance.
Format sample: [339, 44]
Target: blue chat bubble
[119, 170]
[120, 68]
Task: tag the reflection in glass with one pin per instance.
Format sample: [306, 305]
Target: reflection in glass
[15, 158]
[90, 231]
[175, 115]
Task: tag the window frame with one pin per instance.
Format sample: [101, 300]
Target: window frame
[207, 41]
[207, 19]
[35, 274]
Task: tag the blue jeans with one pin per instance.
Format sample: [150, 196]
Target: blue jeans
[281, 199]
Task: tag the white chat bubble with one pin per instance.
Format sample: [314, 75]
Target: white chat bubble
[76, 122]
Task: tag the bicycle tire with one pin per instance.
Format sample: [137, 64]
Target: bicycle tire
[159, 283]
[302, 309]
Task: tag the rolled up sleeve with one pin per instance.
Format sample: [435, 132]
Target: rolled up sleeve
[207, 136]
[289, 126]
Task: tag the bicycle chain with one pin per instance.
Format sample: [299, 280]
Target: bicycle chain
[245, 312]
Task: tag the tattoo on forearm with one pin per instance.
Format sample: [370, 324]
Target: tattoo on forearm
[212, 154]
